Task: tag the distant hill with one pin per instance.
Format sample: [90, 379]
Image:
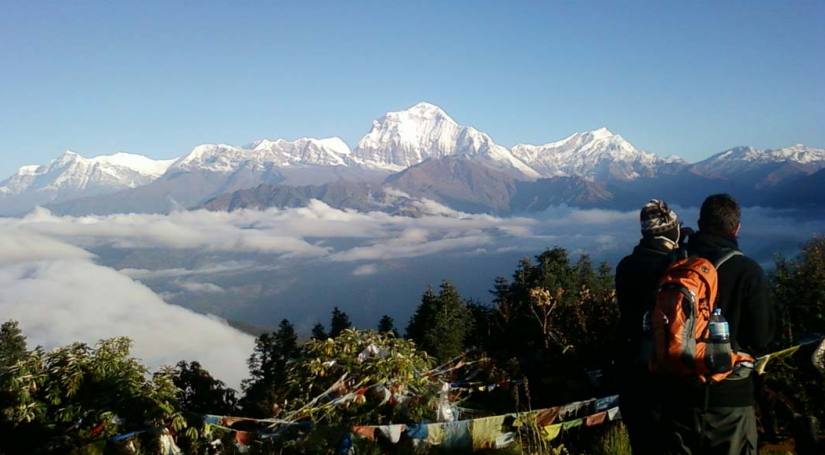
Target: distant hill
[459, 183]
[363, 197]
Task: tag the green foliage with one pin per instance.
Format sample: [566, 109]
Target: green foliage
[556, 306]
[554, 312]
[441, 323]
[612, 440]
[799, 284]
[264, 390]
[70, 396]
[382, 376]
[794, 387]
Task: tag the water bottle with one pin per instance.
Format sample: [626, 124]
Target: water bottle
[646, 327]
[719, 330]
[646, 342]
[719, 353]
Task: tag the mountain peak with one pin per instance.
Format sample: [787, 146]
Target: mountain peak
[402, 139]
[600, 133]
[420, 113]
[72, 175]
[797, 153]
[598, 154]
[141, 164]
[424, 108]
[67, 157]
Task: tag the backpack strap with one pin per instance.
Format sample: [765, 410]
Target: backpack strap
[721, 261]
[725, 258]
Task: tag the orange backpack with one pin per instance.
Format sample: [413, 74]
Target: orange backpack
[679, 322]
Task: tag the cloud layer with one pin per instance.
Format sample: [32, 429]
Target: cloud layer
[64, 297]
[260, 266]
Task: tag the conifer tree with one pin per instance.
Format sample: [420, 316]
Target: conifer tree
[340, 322]
[441, 324]
[267, 368]
[319, 332]
[387, 325]
[424, 314]
[12, 344]
[481, 331]
[200, 392]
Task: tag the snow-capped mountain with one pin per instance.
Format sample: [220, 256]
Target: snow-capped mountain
[596, 155]
[73, 172]
[71, 175]
[402, 139]
[758, 168]
[209, 170]
[739, 160]
[432, 156]
[265, 154]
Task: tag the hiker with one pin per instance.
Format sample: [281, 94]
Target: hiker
[699, 415]
[637, 279]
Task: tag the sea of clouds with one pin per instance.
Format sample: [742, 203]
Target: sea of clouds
[86, 278]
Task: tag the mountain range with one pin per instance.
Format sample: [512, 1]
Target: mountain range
[420, 152]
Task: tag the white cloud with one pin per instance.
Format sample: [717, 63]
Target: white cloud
[297, 232]
[224, 267]
[25, 248]
[366, 269]
[199, 287]
[401, 247]
[211, 231]
[59, 300]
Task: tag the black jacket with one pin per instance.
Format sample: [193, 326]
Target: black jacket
[746, 305]
[637, 279]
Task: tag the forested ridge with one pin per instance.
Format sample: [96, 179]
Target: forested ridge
[548, 338]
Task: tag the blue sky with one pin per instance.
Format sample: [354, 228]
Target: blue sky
[158, 78]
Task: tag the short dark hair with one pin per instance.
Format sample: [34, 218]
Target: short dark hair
[720, 215]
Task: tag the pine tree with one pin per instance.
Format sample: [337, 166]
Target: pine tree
[200, 392]
[340, 322]
[423, 316]
[12, 344]
[451, 326]
[481, 331]
[267, 368]
[441, 324]
[319, 332]
[387, 325]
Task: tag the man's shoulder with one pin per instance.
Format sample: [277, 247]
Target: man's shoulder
[742, 264]
[745, 261]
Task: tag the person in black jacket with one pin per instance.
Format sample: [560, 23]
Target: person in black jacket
[637, 279]
[719, 418]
